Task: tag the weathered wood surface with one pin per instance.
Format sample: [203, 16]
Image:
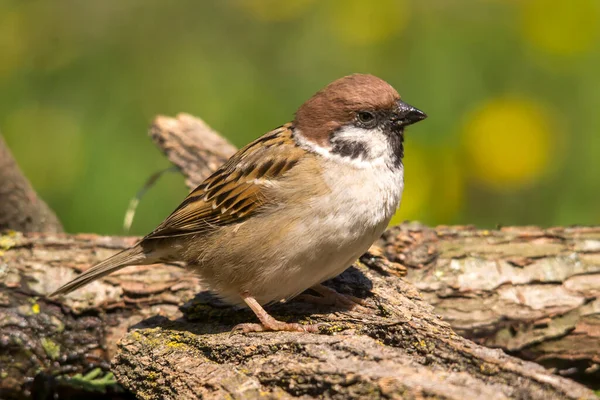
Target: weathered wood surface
[46, 338]
[399, 346]
[532, 292]
[191, 145]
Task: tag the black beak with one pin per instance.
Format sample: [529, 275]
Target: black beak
[407, 114]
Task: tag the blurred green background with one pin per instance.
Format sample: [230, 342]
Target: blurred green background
[512, 90]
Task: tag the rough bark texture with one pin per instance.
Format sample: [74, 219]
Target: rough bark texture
[20, 207]
[399, 347]
[533, 292]
[50, 339]
[191, 145]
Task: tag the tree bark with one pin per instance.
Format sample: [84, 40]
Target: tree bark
[530, 291]
[20, 207]
[44, 340]
[397, 347]
[191, 145]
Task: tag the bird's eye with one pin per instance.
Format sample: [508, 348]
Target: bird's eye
[366, 118]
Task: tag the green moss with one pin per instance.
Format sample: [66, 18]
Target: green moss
[8, 240]
[93, 381]
[175, 345]
[331, 328]
[59, 326]
[51, 348]
[383, 311]
[488, 369]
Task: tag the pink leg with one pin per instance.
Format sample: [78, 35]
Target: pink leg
[268, 323]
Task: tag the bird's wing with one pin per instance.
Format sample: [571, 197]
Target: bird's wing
[236, 190]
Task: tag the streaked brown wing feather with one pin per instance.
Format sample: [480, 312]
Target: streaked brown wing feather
[236, 190]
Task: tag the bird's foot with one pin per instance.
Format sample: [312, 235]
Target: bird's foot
[334, 298]
[268, 323]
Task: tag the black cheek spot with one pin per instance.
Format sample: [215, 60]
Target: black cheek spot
[397, 144]
[349, 149]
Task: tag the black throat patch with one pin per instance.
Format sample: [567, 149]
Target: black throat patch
[397, 144]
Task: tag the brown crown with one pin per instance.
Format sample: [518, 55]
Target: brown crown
[336, 104]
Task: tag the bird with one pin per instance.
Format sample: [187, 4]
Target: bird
[293, 208]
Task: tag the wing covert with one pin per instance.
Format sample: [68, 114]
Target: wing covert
[236, 190]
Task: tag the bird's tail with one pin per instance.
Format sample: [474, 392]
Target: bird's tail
[132, 256]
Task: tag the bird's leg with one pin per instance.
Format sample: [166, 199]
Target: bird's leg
[268, 323]
[333, 298]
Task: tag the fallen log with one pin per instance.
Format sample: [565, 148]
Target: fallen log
[399, 346]
[481, 284]
[532, 292]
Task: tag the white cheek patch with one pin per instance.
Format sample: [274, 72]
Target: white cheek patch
[374, 141]
[359, 147]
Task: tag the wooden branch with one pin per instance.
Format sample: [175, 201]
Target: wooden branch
[20, 207]
[397, 347]
[533, 292]
[191, 145]
[518, 296]
[45, 338]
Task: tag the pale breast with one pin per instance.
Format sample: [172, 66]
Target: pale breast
[321, 228]
[336, 228]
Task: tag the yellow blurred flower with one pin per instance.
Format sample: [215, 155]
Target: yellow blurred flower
[365, 22]
[561, 27]
[509, 142]
[274, 10]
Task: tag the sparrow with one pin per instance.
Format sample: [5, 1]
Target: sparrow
[293, 208]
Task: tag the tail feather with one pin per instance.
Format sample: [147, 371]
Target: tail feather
[132, 256]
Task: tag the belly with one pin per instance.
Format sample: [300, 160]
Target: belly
[331, 253]
[301, 245]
